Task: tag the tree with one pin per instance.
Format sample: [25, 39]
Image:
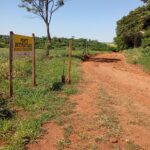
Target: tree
[130, 28]
[44, 9]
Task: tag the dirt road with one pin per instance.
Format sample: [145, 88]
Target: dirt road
[112, 109]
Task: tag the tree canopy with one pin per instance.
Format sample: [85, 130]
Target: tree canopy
[44, 9]
[131, 28]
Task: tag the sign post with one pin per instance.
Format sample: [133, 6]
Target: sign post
[69, 64]
[21, 46]
[33, 61]
[11, 64]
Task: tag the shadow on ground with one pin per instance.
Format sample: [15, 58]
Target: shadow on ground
[5, 112]
[57, 86]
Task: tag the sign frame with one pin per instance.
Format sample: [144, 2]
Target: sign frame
[11, 59]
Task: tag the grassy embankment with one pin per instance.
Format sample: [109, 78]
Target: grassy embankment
[21, 118]
[139, 56]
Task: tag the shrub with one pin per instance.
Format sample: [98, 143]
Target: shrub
[146, 40]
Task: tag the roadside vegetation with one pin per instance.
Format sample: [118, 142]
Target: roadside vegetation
[133, 36]
[57, 43]
[133, 30]
[21, 117]
[140, 56]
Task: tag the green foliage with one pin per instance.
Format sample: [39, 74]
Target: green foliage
[131, 27]
[4, 41]
[139, 56]
[146, 39]
[5, 112]
[44, 9]
[21, 118]
[62, 43]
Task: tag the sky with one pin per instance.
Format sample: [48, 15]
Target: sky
[91, 19]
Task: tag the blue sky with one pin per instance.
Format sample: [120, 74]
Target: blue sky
[92, 19]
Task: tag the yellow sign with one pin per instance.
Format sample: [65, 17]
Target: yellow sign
[22, 44]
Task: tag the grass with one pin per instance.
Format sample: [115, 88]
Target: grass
[139, 56]
[62, 143]
[21, 117]
[107, 117]
[68, 130]
[132, 146]
[65, 142]
[92, 147]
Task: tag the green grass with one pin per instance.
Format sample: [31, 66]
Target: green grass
[31, 107]
[139, 56]
[132, 146]
[107, 118]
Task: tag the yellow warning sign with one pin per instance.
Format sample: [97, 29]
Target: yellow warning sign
[22, 43]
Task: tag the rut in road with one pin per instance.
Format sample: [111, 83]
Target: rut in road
[112, 109]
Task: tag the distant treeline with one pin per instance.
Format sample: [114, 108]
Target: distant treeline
[79, 44]
[133, 30]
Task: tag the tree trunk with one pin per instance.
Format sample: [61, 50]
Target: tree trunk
[48, 30]
[48, 34]
[48, 43]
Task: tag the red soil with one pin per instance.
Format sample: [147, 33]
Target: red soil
[129, 88]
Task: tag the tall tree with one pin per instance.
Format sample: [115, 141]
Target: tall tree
[44, 9]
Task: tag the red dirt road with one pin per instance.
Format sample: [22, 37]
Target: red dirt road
[126, 88]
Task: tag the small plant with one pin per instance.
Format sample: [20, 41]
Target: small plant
[5, 112]
[99, 139]
[92, 147]
[70, 90]
[68, 131]
[57, 86]
[132, 146]
[62, 143]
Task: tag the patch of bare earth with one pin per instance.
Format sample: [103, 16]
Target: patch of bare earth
[48, 140]
[112, 109]
[2, 143]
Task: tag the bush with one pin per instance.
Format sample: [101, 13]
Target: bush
[146, 40]
[2, 45]
[139, 56]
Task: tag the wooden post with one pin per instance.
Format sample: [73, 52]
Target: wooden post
[69, 64]
[63, 80]
[87, 51]
[33, 62]
[11, 65]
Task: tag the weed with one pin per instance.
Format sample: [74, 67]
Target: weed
[107, 117]
[132, 146]
[62, 143]
[99, 139]
[139, 56]
[68, 131]
[116, 147]
[109, 121]
[70, 90]
[92, 147]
